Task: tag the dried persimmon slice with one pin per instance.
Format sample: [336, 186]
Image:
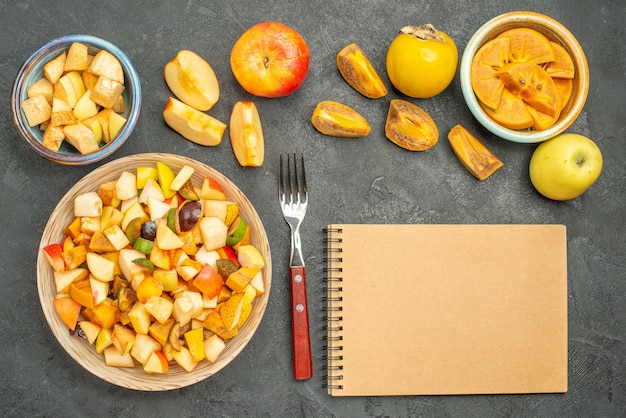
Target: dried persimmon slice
[532, 84]
[410, 127]
[511, 113]
[528, 45]
[486, 63]
[562, 66]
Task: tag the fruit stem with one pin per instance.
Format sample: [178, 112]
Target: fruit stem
[425, 32]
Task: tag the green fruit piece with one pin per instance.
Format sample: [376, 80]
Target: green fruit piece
[171, 219]
[144, 262]
[166, 177]
[133, 230]
[236, 231]
[145, 173]
[143, 245]
[225, 267]
[188, 192]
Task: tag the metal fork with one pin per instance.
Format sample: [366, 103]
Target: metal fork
[293, 198]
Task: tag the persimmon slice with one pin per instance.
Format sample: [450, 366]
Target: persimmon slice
[562, 66]
[483, 73]
[541, 121]
[564, 88]
[410, 127]
[532, 84]
[511, 113]
[528, 45]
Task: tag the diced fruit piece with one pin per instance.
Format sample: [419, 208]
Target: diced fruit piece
[192, 80]
[37, 110]
[126, 186]
[225, 210]
[166, 239]
[112, 357]
[101, 267]
[192, 124]
[184, 359]
[165, 176]
[336, 119]
[182, 177]
[41, 87]
[99, 290]
[116, 236]
[74, 256]
[135, 211]
[183, 308]
[246, 134]
[156, 363]
[160, 308]
[215, 324]
[54, 255]
[85, 107]
[116, 123]
[123, 338]
[225, 267]
[195, 343]
[214, 232]
[149, 287]
[53, 137]
[104, 340]
[239, 279]
[139, 318]
[110, 217]
[105, 315]
[145, 173]
[213, 347]
[235, 311]
[87, 204]
[105, 64]
[472, 153]
[250, 256]
[68, 310]
[211, 190]
[208, 281]
[90, 329]
[126, 297]
[144, 346]
[161, 331]
[80, 291]
[106, 191]
[359, 72]
[63, 279]
[258, 284]
[53, 69]
[562, 66]
[168, 279]
[77, 57]
[410, 127]
[511, 113]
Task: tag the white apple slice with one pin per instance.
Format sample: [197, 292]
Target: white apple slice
[184, 359]
[151, 189]
[135, 210]
[140, 319]
[101, 267]
[77, 82]
[91, 330]
[182, 310]
[211, 190]
[156, 363]
[62, 279]
[246, 134]
[192, 124]
[112, 357]
[88, 204]
[143, 347]
[166, 239]
[128, 268]
[213, 347]
[117, 237]
[181, 178]
[157, 208]
[126, 186]
[86, 108]
[214, 232]
[99, 290]
[160, 308]
[257, 283]
[64, 90]
[205, 256]
[192, 80]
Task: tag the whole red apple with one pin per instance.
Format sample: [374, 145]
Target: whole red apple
[270, 59]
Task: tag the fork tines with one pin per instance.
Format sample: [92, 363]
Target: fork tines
[290, 184]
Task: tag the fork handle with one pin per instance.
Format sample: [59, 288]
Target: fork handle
[303, 367]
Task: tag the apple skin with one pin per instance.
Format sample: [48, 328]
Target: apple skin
[270, 60]
[564, 167]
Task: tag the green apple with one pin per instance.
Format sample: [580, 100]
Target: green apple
[564, 167]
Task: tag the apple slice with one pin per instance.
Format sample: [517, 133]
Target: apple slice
[53, 70]
[81, 137]
[214, 232]
[156, 363]
[68, 310]
[63, 279]
[192, 124]
[213, 347]
[211, 190]
[105, 64]
[246, 134]
[159, 307]
[101, 267]
[192, 80]
[166, 239]
[126, 186]
[54, 255]
[182, 177]
[115, 234]
[87, 204]
[85, 107]
[144, 346]
[90, 329]
[112, 357]
[116, 123]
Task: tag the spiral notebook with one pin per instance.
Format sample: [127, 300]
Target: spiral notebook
[446, 309]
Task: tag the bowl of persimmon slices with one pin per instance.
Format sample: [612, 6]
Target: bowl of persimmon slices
[154, 271]
[524, 76]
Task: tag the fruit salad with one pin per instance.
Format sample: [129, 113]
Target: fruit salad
[155, 270]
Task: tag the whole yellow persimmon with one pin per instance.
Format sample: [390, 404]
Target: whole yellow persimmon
[421, 61]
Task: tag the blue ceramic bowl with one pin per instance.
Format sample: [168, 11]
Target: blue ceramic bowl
[32, 70]
[554, 31]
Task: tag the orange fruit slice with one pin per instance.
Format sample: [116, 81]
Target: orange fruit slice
[483, 72]
[562, 66]
[542, 121]
[511, 113]
[532, 84]
[528, 45]
[563, 90]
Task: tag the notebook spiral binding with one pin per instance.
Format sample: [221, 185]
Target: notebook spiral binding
[333, 318]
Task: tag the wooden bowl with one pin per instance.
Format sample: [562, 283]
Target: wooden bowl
[79, 348]
[554, 31]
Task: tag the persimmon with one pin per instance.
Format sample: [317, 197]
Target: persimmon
[486, 63]
[562, 66]
[510, 113]
[528, 45]
[532, 84]
[410, 127]
[564, 88]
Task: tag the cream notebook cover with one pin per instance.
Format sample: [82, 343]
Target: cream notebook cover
[446, 309]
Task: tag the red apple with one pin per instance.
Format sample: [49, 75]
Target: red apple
[270, 59]
[54, 254]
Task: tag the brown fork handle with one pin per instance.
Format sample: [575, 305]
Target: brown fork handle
[303, 367]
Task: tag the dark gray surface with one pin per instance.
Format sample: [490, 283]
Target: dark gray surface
[368, 180]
